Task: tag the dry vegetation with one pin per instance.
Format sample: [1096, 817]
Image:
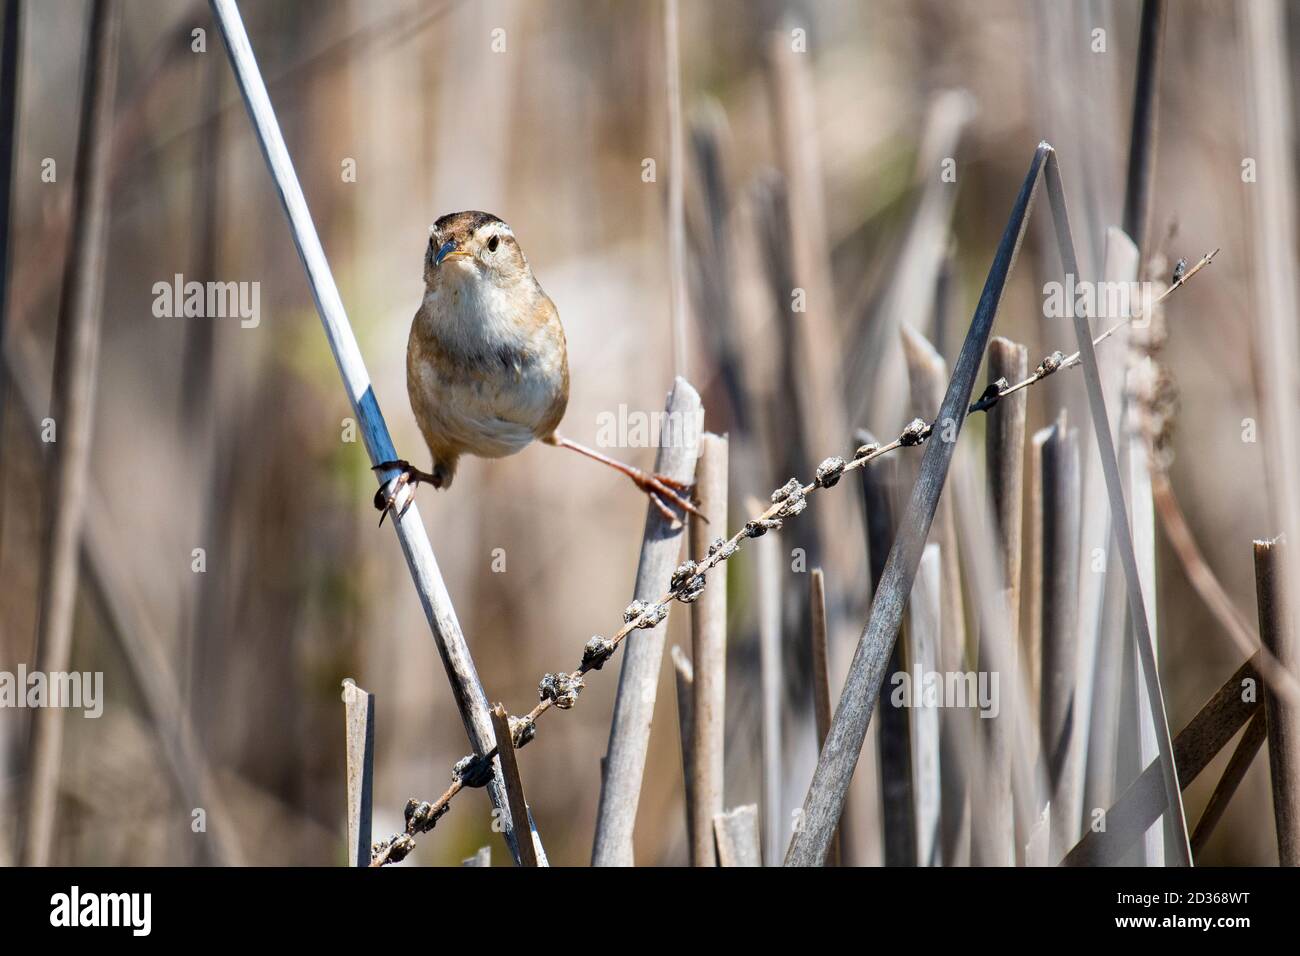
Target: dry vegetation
[846, 175]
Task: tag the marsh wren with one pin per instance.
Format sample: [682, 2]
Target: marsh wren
[487, 369]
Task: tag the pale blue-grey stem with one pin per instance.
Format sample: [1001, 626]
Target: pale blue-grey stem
[465, 686]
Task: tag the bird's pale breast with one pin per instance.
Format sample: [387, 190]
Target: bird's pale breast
[483, 379]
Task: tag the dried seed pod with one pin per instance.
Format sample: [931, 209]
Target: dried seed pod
[916, 432]
[421, 817]
[991, 395]
[644, 614]
[724, 546]
[596, 652]
[685, 571]
[1049, 365]
[793, 505]
[393, 850]
[757, 527]
[692, 589]
[791, 487]
[790, 497]
[829, 472]
[472, 771]
[560, 689]
[866, 450]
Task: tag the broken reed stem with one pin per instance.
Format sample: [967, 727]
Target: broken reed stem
[638, 679]
[1233, 774]
[75, 370]
[994, 842]
[1274, 296]
[1005, 459]
[923, 639]
[689, 580]
[684, 678]
[1059, 707]
[514, 785]
[1277, 628]
[737, 834]
[927, 374]
[708, 654]
[359, 725]
[928, 378]
[767, 570]
[1281, 679]
[1142, 804]
[821, 679]
[820, 654]
[897, 807]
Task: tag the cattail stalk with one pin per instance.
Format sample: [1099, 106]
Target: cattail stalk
[821, 680]
[879, 488]
[684, 680]
[1004, 455]
[638, 680]
[708, 654]
[737, 835]
[1059, 456]
[927, 377]
[1141, 805]
[359, 725]
[768, 569]
[923, 639]
[1277, 628]
[528, 848]
[1233, 774]
[75, 370]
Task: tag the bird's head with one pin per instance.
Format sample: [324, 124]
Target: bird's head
[467, 248]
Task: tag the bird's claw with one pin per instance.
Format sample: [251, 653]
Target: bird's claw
[400, 486]
[659, 487]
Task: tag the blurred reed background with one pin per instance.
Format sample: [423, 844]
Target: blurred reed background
[820, 170]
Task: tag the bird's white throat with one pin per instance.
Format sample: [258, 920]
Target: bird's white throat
[471, 312]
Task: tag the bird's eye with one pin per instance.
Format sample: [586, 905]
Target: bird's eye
[493, 243]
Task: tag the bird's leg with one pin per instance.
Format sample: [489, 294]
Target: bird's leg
[402, 485]
[657, 487]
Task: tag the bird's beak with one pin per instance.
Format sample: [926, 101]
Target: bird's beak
[446, 251]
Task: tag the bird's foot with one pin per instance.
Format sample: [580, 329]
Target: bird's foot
[398, 492]
[660, 487]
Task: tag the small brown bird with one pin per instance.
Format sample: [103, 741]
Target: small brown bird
[487, 368]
